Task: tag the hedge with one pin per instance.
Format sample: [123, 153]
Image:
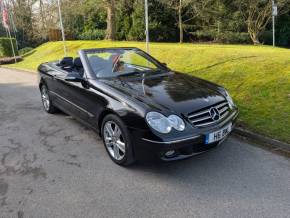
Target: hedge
[5, 47]
[25, 50]
[227, 37]
[96, 34]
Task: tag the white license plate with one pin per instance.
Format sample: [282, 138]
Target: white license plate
[218, 135]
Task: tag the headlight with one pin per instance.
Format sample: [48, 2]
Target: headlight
[158, 122]
[176, 122]
[229, 99]
[163, 124]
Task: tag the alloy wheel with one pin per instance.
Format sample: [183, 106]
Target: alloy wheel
[45, 98]
[114, 140]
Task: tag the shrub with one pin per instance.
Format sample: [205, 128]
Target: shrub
[267, 37]
[25, 50]
[5, 47]
[233, 37]
[222, 37]
[96, 34]
[204, 35]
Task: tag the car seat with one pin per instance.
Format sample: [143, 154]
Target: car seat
[66, 64]
[78, 65]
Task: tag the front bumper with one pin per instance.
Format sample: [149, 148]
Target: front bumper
[184, 147]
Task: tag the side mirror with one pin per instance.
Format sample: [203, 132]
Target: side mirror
[165, 65]
[73, 77]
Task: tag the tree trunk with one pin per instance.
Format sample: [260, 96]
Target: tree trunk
[43, 29]
[254, 35]
[180, 22]
[111, 15]
[255, 39]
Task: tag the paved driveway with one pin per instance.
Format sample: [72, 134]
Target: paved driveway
[51, 166]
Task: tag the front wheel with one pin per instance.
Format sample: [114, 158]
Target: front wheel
[46, 101]
[117, 140]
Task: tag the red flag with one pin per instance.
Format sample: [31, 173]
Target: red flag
[5, 18]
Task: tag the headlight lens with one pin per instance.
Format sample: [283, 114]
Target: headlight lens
[176, 122]
[229, 99]
[163, 124]
[158, 122]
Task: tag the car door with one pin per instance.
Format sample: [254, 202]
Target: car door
[49, 75]
[72, 96]
[89, 102]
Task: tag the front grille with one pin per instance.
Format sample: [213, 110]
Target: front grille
[203, 117]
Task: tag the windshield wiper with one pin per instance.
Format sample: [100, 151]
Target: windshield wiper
[130, 74]
[141, 73]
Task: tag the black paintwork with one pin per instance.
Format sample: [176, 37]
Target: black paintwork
[90, 99]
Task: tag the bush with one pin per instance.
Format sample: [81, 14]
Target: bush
[233, 37]
[25, 50]
[96, 34]
[267, 37]
[204, 35]
[222, 37]
[5, 47]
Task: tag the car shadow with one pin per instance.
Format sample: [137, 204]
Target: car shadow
[221, 63]
[227, 163]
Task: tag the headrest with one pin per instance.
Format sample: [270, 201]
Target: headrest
[78, 63]
[66, 62]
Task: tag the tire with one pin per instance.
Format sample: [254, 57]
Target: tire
[120, 147]
[46, 100]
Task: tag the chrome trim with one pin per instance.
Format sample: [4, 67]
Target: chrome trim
[212, 122]
[198, 114]
[222, 107]
[202, 119]
[205, 124]
[78, 107]
[223, 110]
[224, 115]
[172, 142]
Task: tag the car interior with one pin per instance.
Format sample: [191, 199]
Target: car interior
[102, 66]
[98, 64]
[72, 65]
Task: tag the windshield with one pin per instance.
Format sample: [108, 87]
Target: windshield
[121, 62]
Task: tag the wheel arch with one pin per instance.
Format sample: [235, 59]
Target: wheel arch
[102, 116]
[41, 83]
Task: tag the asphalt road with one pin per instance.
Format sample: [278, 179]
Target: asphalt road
[52, 166]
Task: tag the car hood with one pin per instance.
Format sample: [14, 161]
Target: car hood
[173, 92]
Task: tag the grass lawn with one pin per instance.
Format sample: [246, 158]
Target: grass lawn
[257, 77]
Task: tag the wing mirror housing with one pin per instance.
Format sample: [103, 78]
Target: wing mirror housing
[73, 77]
[165, 65]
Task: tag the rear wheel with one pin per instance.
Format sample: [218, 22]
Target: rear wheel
[46, 100]
[117, 140]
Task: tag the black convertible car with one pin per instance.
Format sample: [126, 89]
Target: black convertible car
[138, 105]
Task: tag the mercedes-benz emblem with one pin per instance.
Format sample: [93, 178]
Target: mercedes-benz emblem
[214, 113]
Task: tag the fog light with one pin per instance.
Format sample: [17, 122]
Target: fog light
[170, 153]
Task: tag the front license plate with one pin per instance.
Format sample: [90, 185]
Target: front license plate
[218, 135]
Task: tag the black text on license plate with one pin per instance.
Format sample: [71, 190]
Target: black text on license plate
[218, 135]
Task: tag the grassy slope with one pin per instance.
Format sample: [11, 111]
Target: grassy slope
[257, 77]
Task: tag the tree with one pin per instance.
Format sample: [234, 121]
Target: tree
[257, 14]
[186, 11]
[111, 19]
[179, 6]
[23, 18]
